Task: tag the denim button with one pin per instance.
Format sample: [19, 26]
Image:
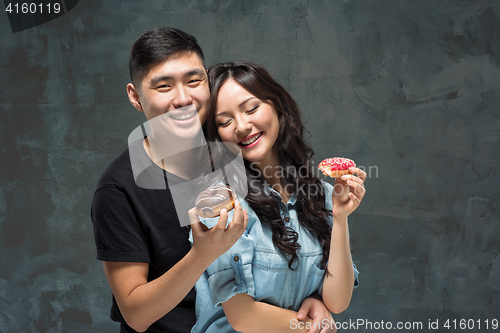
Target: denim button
[236, 258]
[287, 219]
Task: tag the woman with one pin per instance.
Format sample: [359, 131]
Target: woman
[296, 242]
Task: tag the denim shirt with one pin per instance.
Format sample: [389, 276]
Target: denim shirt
[255, 267]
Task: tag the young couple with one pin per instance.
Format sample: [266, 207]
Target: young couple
[281, 264]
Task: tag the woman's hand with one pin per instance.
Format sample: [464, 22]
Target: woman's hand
[348, 192]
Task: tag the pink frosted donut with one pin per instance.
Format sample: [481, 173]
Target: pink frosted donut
[336, 166]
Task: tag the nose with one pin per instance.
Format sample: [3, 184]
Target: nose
[242, 127]
[182, 97]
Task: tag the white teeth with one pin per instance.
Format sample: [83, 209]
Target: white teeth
[249, 141]
[183, 116]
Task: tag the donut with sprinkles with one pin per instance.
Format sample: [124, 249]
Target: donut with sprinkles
[336, 166]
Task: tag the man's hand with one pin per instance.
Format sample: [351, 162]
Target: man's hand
[212, 243]
[314, 308]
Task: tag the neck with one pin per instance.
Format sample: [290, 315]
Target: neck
[179, 158]
[272, 173]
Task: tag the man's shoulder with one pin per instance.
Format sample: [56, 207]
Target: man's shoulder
[116, 172]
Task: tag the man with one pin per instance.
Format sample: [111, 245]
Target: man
[145, 251]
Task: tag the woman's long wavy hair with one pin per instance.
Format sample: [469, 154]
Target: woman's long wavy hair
[294, 155]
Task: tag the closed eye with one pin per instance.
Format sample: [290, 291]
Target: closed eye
[225, 124]
[252, 110]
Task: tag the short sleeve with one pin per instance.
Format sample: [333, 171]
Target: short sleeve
[356, 273]
[117, 231]
[231, 273]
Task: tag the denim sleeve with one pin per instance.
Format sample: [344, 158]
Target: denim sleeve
[328, 196]
[231, 273]
[329, 206]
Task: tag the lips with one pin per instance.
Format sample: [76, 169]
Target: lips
[183, 115]
[249, 140]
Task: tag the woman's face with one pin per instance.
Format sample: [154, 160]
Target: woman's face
[243, 119]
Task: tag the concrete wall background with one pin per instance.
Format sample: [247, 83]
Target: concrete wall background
[409, 88]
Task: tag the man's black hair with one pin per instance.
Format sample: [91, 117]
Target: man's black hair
[155, 46]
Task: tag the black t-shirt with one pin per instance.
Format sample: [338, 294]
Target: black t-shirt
[134, 224]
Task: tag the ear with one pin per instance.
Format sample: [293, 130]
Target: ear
[133, 96]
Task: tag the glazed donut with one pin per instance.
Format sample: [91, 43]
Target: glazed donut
[336, 166]
[210, 202]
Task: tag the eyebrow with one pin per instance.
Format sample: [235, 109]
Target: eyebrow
[159, 78]
[246, 100]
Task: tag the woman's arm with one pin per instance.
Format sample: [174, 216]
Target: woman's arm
[247, 315]
[338, 284]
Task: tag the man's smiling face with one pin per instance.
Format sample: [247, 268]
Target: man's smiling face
[178, 82]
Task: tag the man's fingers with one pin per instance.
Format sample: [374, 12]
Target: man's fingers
[315, 328]
[330, 328]
[238, 212]
[301, 315]
[196, 224]
[193, 216]
[221, 224]
[240, 219]
[245, 220]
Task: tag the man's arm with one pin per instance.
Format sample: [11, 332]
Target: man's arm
[141, 302]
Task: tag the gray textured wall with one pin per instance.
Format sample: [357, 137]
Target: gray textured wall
[410, 88]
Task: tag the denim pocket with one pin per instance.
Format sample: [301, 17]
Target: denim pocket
[314, 280]
[271, 277]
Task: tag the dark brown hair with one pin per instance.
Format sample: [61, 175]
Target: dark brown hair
[294, 155]
[155, 46]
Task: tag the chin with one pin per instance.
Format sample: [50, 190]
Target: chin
[253, 159]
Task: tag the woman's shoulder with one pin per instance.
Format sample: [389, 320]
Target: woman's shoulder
[328, 194]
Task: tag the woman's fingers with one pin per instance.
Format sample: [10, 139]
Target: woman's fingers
[360, 173]
[356, 182]
[357, 188]
[354, 199]
[348, 192]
